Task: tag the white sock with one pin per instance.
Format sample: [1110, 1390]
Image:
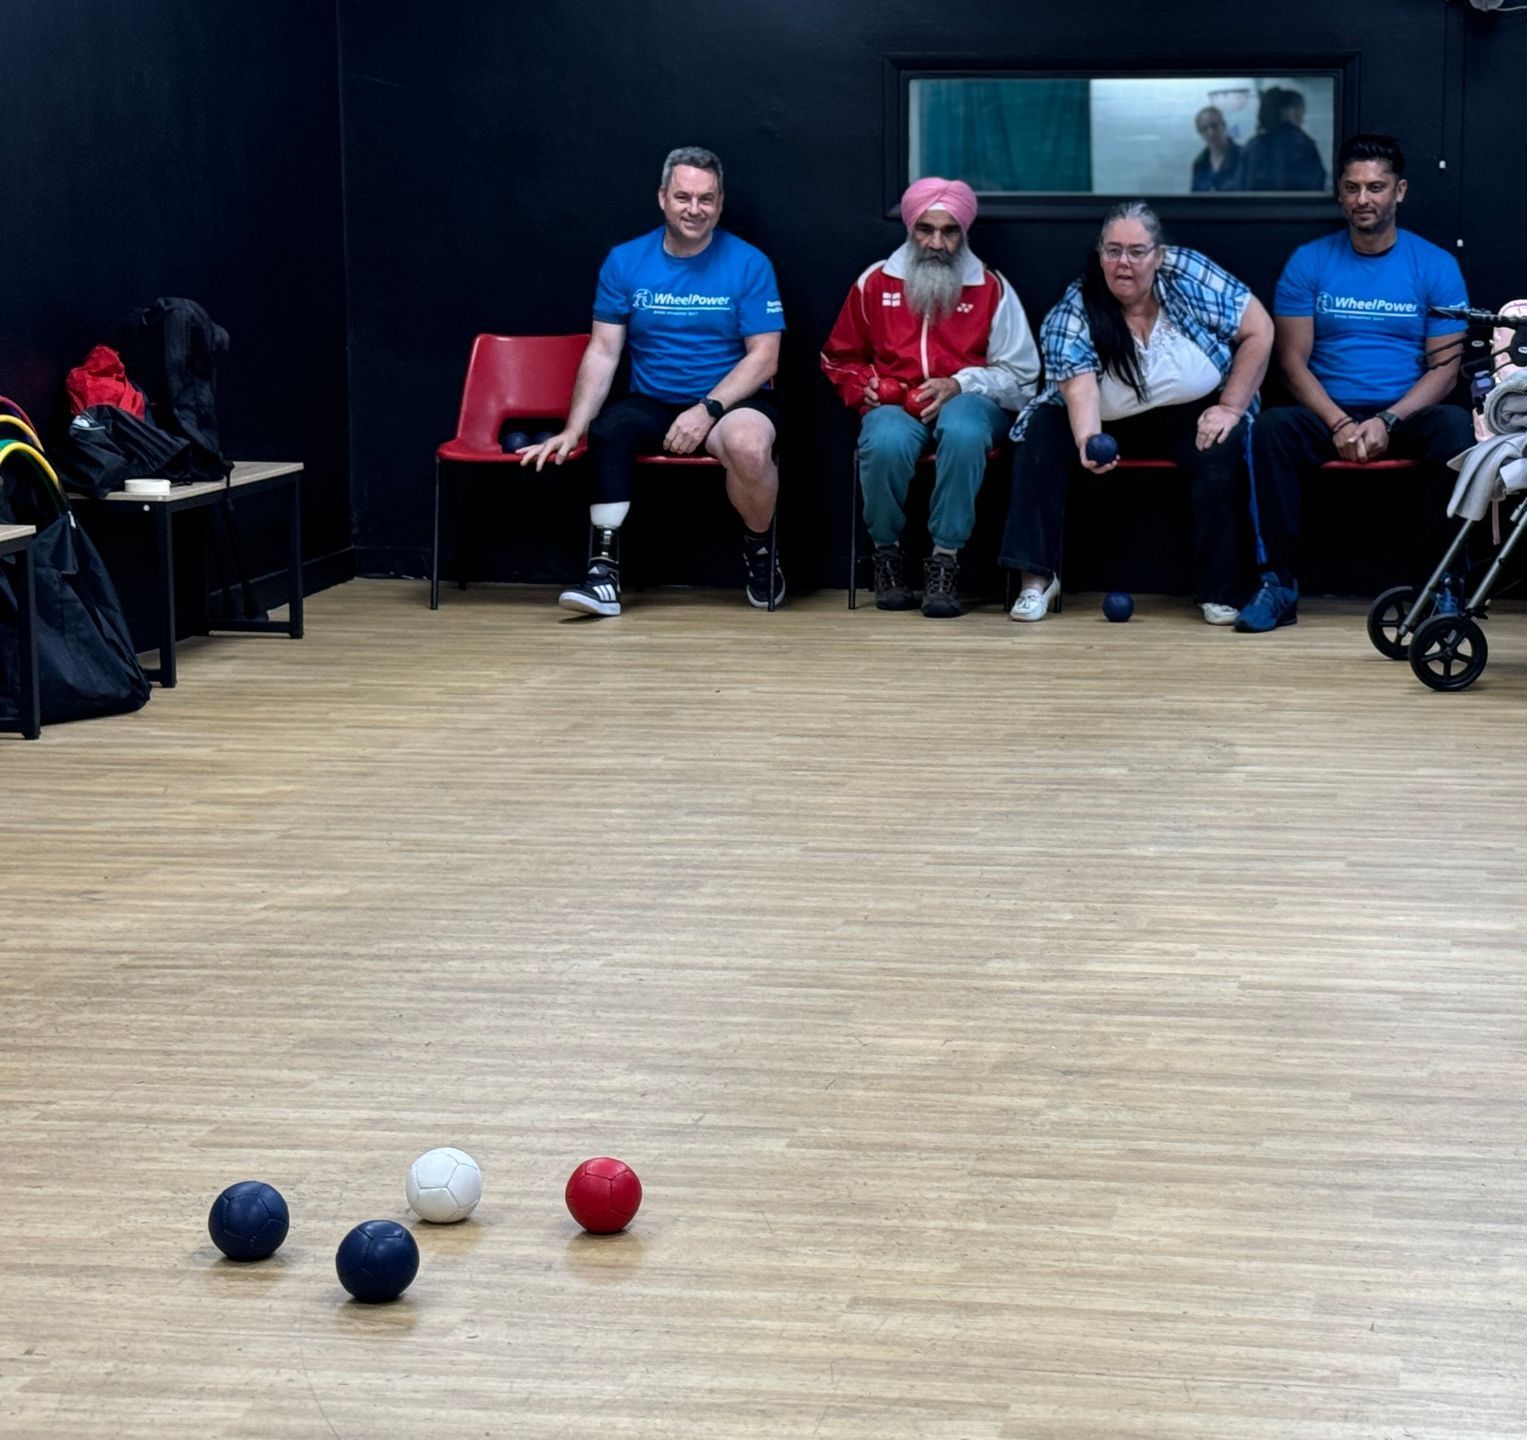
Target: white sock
[945, 550]
[608, 514]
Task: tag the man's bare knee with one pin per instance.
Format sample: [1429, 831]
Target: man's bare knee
[751, 458]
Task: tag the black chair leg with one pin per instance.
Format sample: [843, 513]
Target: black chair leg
[458, 545]
[773, 551]
[853, 533]
[434, 559]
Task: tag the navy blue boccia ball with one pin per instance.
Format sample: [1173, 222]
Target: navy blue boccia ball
[515, 441]
[1117, 605]
[249, 1220]
[377, 1261]
[1102, 449]
[541, 437]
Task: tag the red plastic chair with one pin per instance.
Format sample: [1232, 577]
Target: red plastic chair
[509, 377]
[1392, 464]
[525, 377]
[1370, 464]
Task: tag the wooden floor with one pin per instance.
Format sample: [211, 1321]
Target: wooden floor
[1067, 1032]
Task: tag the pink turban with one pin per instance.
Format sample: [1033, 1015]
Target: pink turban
[933, 192]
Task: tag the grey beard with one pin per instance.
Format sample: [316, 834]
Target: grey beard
[933, 284]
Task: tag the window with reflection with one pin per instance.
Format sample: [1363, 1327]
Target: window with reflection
[1228, 135]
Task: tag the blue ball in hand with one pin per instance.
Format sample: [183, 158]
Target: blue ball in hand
[1118, 605]
[1102, 449]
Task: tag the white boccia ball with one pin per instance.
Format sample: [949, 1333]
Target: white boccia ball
[444, 1185]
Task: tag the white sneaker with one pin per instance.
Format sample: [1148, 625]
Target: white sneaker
[1034, 604]
[1219, 614]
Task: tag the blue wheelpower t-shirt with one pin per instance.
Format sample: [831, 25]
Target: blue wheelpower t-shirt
[686, 316]
[1371, 325]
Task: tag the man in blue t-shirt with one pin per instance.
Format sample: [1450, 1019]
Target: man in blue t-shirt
[1370, 369]
[702, 314]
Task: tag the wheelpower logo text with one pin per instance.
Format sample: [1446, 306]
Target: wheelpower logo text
[662, 300]
[1351, 305]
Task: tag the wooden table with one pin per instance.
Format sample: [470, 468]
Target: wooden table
[17, 540]
[249, 477]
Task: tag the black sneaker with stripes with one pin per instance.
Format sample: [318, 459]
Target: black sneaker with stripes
[755, 556]
[600, 592]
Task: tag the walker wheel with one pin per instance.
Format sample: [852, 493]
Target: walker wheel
[1386, 616]
[1448, 652]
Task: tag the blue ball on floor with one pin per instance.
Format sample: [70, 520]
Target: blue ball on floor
[1117, 605]
[249, 1221]
[377, 1261]
[1102, 449]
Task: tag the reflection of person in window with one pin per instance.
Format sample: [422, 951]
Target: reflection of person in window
[1220, 163]
[1280, 156]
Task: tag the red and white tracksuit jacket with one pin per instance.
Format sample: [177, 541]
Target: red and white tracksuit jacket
[986, 344]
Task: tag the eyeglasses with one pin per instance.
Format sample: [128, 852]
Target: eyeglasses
[1115, 253]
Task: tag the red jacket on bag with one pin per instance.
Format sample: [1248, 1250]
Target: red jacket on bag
[986, 344]
[101, 379]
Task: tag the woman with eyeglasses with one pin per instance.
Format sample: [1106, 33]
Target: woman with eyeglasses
[1219, 164]
[1159, 349]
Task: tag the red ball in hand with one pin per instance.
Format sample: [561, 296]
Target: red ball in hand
[890, 391]
[916, 407]
[603, 1195]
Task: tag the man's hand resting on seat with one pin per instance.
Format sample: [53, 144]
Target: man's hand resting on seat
[556, 450]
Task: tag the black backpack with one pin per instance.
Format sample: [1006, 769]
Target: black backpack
[172, 348]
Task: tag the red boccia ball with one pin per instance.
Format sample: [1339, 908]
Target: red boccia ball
[604, 1195]
[890, 391]
[915, 408]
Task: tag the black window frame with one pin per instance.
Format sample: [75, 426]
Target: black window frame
[901, 70]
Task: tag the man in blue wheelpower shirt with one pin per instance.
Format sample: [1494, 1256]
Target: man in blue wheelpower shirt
[1370, 369]
[701, 313]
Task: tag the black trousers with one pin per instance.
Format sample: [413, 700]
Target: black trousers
[635, 425]
[1045, 461]
[1288, 441]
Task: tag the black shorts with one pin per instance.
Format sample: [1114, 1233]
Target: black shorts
[635, 425]
[763, 402]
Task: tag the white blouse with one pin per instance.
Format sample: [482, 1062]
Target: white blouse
[1173, 368]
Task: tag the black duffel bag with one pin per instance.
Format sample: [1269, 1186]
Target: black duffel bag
[86, 664]
[106, 445]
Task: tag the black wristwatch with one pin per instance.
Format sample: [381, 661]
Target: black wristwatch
[714, 408]
[1389, 418]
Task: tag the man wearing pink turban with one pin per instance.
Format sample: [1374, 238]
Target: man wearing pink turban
[932, 349]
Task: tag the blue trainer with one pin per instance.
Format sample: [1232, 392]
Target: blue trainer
[1273, 605]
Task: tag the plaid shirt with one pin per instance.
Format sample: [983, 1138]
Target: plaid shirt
[1205, 302]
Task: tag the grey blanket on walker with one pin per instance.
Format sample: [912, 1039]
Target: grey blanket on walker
[1498, 466]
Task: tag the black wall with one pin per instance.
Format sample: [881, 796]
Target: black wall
[185, 147]
[493, 153]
